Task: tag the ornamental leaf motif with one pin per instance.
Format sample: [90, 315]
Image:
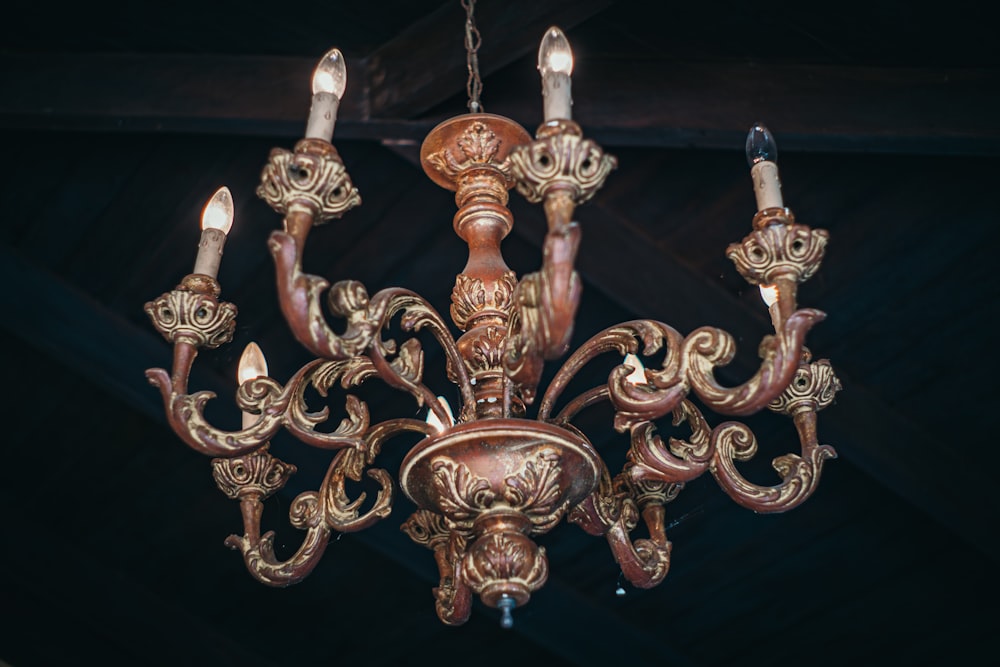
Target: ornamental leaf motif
[535, 488]
[462, 494]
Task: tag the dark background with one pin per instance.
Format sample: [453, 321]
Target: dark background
[118, 122]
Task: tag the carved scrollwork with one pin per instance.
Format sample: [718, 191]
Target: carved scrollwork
[678, 461]
[560, 159]
[278, 406]
[426, 528]
[606, 506]
[633, 403]
[250, 479]
[779, 250]
[612, 511]
[799, 473]
[310, 177]
[299, 295]
[707, 348]
[452, 596]
[195, 317]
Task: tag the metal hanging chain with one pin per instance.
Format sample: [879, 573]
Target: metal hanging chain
[472, 43]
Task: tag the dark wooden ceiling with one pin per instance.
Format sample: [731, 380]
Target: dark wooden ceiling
[118, 122]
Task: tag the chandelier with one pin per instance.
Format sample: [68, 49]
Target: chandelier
[509, 463]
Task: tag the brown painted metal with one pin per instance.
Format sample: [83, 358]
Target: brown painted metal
[490, 480]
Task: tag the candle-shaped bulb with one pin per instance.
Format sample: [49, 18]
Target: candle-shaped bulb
[638, 374]
[762, 155]
[769, 293]
[760, 145]
[216, 221]
[555, 63]
[554, 54]
[252, 364]
[328, 85]
[330, 75]
[433, 419]
[218, 213]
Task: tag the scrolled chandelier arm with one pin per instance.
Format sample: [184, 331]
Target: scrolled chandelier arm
[489, 479]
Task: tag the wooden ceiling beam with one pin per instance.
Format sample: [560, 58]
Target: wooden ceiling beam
[810, 108]
[426, 64]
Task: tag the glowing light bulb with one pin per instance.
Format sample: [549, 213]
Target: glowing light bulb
[555, 62]
[554, 53]
[433, 419]
[218, 212]
[328, 84]
[216, 221]
[638, 374]
[762, 155]
[330, 75]
[252, 365]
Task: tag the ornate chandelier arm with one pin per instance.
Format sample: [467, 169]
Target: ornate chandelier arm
[811, 390]
[191, 316]
[612, 511]
[254, 477]
[250, 479]
[706, 348]
[776, 256]
[655, 399]
[311, 186]
[299, 295]
[278, 406]
[452, 597]
[563, 170]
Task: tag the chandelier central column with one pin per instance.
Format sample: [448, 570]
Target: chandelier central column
[468, 155]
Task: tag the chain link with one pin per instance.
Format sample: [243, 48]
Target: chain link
[473, 41]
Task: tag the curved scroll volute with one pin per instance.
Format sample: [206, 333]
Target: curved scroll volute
[452, 596]
[186, 416]
[707, 348]
[546, 302]
[564, 170]
[612, 511]
[632, 403]
[681, 460]
[276, 405]
[299, 295]
[251, 479]
[812, 389]
[258, 475]
[799, 473]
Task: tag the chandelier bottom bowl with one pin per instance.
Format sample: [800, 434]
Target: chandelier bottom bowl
[515, 465]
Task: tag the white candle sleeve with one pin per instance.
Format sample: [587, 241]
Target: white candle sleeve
[766, 185]
[210, 252]
[322, 116]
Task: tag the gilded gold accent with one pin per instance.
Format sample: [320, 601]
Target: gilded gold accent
[308, 178]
